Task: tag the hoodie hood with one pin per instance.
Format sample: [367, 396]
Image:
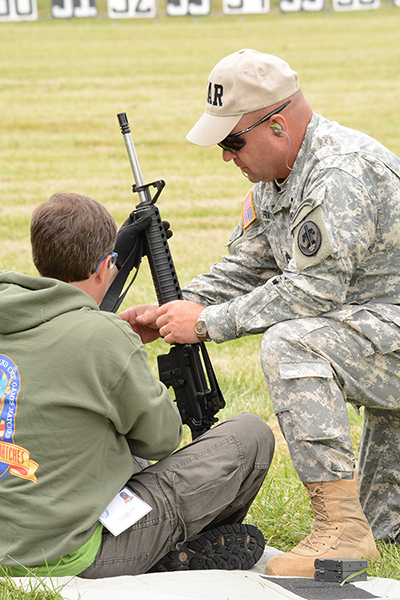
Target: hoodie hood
[27, 301]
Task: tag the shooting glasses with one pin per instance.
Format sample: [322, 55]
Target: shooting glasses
[233, 143]
[113, 260]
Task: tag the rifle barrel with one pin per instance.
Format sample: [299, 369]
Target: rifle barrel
[144, 195]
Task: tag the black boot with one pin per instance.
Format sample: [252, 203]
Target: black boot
[229, 547]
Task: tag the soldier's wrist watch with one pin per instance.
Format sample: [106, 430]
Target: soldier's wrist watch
[201, 328]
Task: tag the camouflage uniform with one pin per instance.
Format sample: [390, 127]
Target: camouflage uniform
[314, 265]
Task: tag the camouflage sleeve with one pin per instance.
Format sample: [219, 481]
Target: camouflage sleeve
[341, 216]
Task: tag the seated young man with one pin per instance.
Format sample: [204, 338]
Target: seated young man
[82, 414]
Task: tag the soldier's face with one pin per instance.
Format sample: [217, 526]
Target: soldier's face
[261, 158]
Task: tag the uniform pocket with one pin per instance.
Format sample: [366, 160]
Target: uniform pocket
[384, 335]
[205, 483]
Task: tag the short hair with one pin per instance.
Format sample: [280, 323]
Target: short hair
[70, 233]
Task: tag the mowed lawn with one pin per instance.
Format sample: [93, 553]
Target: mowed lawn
[62, 83]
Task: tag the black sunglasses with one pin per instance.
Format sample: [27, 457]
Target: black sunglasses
[233, 143]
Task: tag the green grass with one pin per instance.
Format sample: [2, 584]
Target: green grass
[62, 84]
[34, 589]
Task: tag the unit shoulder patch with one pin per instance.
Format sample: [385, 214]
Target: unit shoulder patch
[312, 242]
[309, 238]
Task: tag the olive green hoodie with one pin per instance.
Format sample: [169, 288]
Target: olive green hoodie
[77, 399]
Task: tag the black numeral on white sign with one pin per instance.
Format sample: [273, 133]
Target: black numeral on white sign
[231, 7]
[66, 9]
[355, 4]
[18, 10]
[131, 9]
[297, 5]
[180, 8]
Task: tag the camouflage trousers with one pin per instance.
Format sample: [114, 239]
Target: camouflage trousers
[312, 367]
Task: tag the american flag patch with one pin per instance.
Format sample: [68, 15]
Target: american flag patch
[248, 214]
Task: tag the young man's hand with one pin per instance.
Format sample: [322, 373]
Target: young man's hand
[142, 319]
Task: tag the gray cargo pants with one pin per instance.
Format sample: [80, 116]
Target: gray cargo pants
[312, 366]
[210, 482]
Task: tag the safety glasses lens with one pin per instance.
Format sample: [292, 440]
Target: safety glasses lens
[232, 144]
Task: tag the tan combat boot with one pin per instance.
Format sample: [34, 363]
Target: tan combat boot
[340, 530]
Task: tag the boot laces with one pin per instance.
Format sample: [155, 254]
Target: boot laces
[322, 524]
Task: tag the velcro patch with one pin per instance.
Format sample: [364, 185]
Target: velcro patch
[248, 214]
[306, 369]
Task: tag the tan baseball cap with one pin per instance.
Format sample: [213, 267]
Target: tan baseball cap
[241, 83]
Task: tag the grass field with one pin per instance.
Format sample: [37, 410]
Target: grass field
[62, 85]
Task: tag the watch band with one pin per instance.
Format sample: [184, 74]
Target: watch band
[201, 328]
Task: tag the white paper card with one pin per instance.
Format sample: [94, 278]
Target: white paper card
[125, 510]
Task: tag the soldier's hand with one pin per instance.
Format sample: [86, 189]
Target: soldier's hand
[176, 321]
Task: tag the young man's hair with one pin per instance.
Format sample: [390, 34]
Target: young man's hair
[70, 233]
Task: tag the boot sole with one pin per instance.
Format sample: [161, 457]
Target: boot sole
[228, 547]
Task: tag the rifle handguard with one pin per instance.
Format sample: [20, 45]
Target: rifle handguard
[183, 367]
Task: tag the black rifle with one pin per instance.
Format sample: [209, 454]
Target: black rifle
[186, 365]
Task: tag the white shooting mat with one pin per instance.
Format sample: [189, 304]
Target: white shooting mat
[194, 585]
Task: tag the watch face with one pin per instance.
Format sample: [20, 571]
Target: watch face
[200, 328]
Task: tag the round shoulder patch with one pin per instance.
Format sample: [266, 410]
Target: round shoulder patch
[309, 238]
